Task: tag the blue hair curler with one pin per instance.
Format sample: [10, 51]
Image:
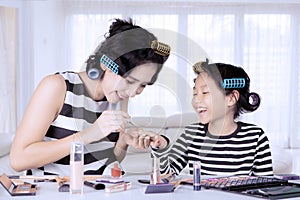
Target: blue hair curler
[110, 64]
[234, 83]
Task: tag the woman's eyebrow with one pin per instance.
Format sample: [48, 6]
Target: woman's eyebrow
[135, 79]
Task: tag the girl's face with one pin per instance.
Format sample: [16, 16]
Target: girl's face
[116, 88]
[208, 100]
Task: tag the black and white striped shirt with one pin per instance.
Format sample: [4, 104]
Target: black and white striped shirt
[244, 152]
[79, 112]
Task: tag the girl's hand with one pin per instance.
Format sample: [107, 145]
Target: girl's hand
[142, 139]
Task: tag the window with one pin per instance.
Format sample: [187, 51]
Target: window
[267, 60]
[86, 32]
[263, 39]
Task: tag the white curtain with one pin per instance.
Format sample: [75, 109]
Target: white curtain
[263, 38]
[7, 68]
[262, 44]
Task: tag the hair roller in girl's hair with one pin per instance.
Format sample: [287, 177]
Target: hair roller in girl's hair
[234, 83]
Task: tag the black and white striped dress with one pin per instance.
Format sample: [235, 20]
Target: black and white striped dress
[79, 112]
[244, 152]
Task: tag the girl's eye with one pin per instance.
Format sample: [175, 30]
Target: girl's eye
[205, 92]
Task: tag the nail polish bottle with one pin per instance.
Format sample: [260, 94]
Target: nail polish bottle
[76, 168]
[116, 171]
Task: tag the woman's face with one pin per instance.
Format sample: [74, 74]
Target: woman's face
[116, 88]
[208, 99]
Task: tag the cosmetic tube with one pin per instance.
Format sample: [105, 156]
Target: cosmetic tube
[197, 175]
[155, 172]
[76, 168]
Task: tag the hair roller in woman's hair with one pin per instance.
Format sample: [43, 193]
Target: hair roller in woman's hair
[93, 69]
[110, 64]
[161, 48]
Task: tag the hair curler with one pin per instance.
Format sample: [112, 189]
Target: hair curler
[94, 70]
[234, 83]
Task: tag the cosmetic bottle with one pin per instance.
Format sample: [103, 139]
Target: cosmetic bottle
[197, 175]
[76, 168]
[116, 171]
[155, 172]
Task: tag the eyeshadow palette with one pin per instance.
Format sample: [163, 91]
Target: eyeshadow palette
[23, 189]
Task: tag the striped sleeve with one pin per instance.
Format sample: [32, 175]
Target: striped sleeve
[175, 158]
[263, 160]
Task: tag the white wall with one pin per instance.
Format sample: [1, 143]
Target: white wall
[48, 33]
[43, 40]
[41, 47]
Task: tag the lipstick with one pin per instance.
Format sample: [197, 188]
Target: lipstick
[197, 175]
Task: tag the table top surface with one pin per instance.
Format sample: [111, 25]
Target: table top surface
[49, 190]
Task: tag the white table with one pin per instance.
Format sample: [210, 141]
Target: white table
[49, 191]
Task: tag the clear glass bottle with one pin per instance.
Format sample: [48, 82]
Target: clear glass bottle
[155, 172]
[76, 168]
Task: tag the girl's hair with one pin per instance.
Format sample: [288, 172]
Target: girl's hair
[129, 45]
[248, 101]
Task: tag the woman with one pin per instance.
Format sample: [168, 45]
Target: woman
[86, 106]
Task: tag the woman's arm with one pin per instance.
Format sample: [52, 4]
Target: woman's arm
[30, 151]
[28, 148]
[121, 147]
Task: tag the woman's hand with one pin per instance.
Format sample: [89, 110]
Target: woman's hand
[108, 122]
[112, 121]
[142, 139]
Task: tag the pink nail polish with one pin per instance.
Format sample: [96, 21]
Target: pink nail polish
[116, 171]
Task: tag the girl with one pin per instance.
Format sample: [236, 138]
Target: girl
[85, 106]
[224, 145]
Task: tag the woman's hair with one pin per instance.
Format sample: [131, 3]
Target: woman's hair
[248, 101]
[129, 45]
